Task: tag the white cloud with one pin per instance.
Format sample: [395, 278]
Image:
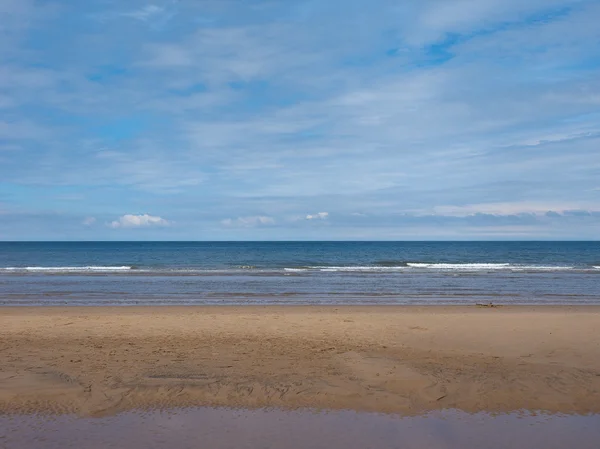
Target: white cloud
[88, 221]
[258, 220]
[138, 221]
[318, 216]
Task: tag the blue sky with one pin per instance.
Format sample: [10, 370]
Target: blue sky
[277, 119]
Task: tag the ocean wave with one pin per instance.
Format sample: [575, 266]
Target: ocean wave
[69, 269]
[248, 269]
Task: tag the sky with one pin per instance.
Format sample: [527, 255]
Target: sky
[299, 120]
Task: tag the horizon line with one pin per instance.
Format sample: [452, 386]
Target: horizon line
[313, 241]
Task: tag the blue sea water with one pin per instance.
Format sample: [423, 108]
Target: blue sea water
[129, 273]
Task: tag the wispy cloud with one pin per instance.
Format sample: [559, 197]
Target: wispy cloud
[23, 130]
[145, 13]
[516, 208]
[153, 15]
[89, 221]
[421, 115]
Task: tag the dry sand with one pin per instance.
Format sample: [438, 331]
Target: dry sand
[102, 360]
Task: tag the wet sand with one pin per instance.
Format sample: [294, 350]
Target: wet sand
[95, 361]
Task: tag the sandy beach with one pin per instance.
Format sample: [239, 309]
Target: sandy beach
[101, 360]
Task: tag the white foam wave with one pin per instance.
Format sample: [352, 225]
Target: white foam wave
[362, 268]
[488, 266]
[539, 268]
[350, 269]
[461, 266]
[436, 266]
[60, 269]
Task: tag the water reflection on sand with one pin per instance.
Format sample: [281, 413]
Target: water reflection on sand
[241, 429]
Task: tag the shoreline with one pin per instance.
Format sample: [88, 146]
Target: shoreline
[100, 360]
[511, 307]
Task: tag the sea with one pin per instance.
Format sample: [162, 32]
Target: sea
[267, 273]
